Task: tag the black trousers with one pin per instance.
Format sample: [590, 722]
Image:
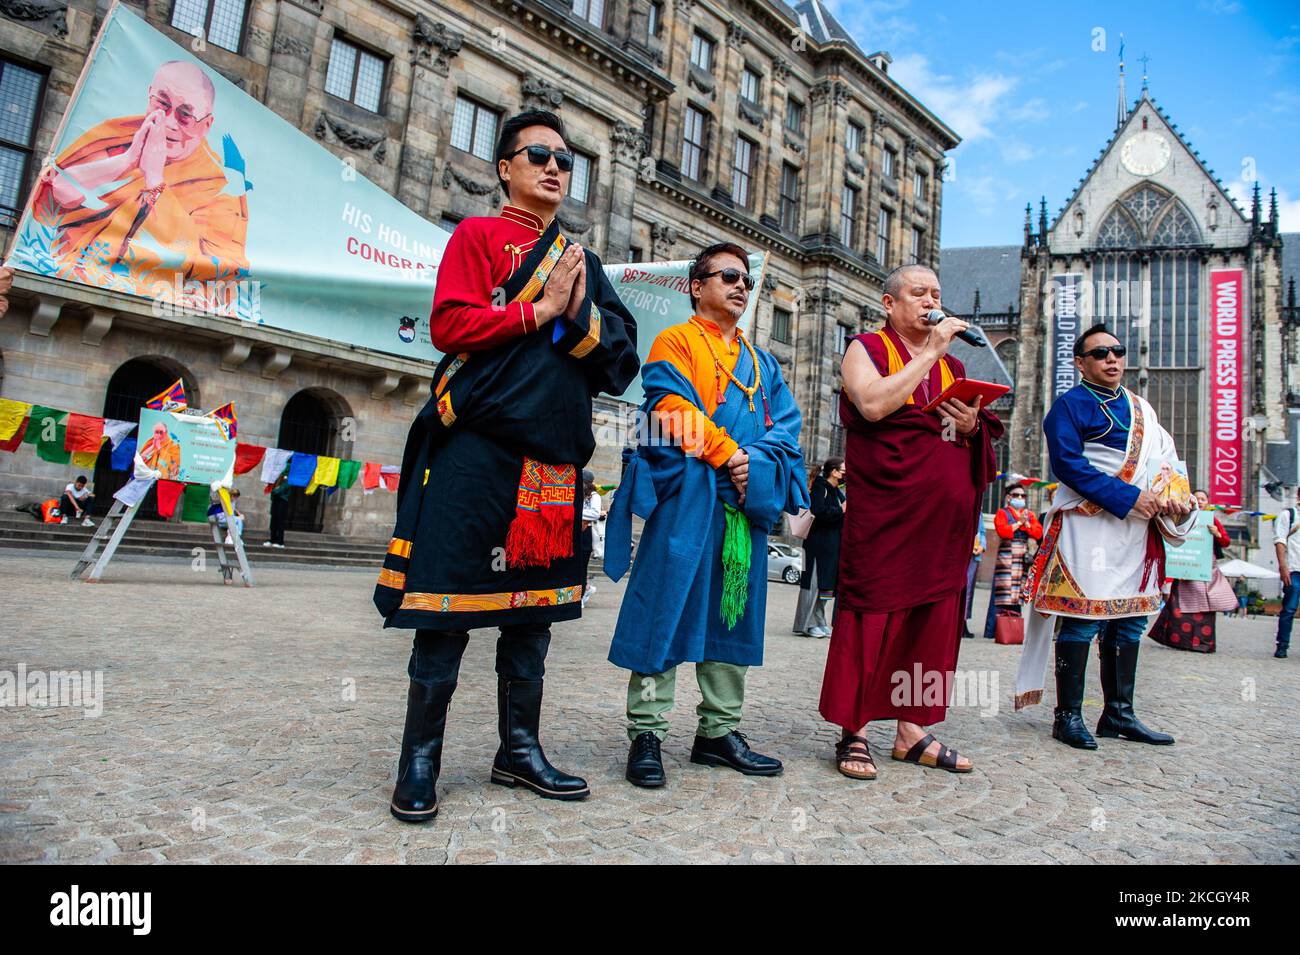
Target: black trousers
[279, 515]
[69, 508]
[521, 654]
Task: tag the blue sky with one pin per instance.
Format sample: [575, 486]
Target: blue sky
[1034, 102]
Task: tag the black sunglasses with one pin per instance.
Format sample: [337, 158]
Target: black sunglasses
[730, 277]
[1099, 353]
[540, 155]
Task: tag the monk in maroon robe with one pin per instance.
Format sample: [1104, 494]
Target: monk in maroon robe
[909, 521]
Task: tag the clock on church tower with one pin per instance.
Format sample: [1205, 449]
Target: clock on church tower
[1144, 153]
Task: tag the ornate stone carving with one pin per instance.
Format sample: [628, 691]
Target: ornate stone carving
[702, 80]
[792, 143]
[685, 6]
[292, 46]
[572, 225]
[35, 11]
[435, 44]
[910, 146]
[781, 68]
[662, 239]
[750, 113]
[540, 93]
[736, 35]
[855, 163]
[629, 142]
[351, 136]
[470, 185]
[824, 299]
[769, 284]
[833, 90]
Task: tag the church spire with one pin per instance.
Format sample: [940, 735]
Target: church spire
[1255, 210]
[1121, 109]
[1272, 209]
[1029, 224]
[1042, 221]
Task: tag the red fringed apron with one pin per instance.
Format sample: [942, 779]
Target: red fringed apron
[543, 526]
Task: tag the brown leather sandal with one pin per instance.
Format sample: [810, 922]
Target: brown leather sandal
[854, 749]
[945, 759]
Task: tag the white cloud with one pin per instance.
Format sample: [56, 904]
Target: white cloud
[970, 107]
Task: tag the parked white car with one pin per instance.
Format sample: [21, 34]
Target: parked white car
[784, 562]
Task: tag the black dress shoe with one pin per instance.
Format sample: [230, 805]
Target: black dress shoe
[520, 760]
[733, 751]
[415, 797]
[1280, 653]
[645, 767]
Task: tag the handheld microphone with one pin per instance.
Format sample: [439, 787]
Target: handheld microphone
[967, 335]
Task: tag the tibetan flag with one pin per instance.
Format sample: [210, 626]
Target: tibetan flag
[302, 467]
[12, 443]
[348, 471]
[85, 460]
[85, 433]
[326, 474]
[50, 441]
[171, 399]
[116, 431]
[169, 493]
[370, 475]
[12, 416]
[275, 463]
[124, 456]
[247, 457]
[225, 418]
[41, 423]
[195, 506]
[391, 475]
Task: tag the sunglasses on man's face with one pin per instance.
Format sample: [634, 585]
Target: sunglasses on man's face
[731, 277]
[540, 156]
[1100, 353]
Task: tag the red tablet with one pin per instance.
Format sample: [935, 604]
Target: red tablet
[965, 390]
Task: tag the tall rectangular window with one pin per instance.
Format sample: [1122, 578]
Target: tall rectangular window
[474, 128]
[853, 139]
[655, 23]
[920, 186]
[781, 325]
[693, 142]
[20, 96]
[884, 226]
[749, 84]
[794, 115]
[742, 172]
[702, 52]
[220, 22]
[580, 178]
[355, 74]
[849, 216]
[789, 198]
[887, 162]
[917, 240]
[593, 11]
[842, 335]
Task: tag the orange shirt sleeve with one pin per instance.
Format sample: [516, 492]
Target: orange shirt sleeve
[1002, 525]
[694, 429]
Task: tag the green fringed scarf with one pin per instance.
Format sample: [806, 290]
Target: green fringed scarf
[737, 546]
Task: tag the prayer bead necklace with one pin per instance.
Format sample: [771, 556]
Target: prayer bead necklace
[719, 371]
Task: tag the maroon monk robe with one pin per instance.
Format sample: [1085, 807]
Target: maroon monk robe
[911, 512]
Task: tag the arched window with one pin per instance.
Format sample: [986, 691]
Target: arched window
[1117, 231]
[311, 424]
[1176, 228]
[1145, 204]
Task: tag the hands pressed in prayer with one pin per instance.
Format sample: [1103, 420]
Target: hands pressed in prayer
[738, 465]
[559, 287]
[966, 417]
[153, 153]
[579, 291]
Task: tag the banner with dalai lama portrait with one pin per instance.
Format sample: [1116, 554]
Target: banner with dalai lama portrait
[168, 182]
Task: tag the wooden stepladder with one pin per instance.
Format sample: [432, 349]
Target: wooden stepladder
[113, 528]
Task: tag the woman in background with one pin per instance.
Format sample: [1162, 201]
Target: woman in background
[1016, 524]
[1186, 621]
[821, 550]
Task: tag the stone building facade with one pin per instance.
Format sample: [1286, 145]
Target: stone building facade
[694, 121]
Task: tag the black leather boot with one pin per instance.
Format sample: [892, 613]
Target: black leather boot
[645, 765]
[520, 760]
[1067, 722]
[1118, 676]
[415, 798]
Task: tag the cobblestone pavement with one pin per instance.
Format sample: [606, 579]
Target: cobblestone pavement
[263, 725]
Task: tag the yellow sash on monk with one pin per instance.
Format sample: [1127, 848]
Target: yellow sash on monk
[895, 360]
